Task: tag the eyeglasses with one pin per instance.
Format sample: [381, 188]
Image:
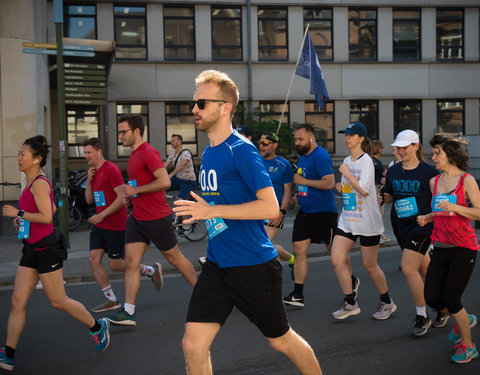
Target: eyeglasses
[200, 103]
[123, 132]
[265, 143]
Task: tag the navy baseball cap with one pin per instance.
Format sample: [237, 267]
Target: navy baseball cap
[245, 130]
[355, 128]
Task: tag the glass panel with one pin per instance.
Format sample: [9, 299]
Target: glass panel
[81, 125]
[81, 28]
[82, 10]
[130, 53]
[227, 53]
[272, 13]
[179, 32]
[406, 14]
[365, 112]
[226, 33]
[178, 12]
[226, 12]
[272, 34]
[130, 11]
[450, 117]
[130, 31]
[179, 120]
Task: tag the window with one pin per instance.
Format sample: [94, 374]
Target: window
[80, 21]
[240, 113]
[82, 124]
[406, 34]
[131, 109]
[179, 33]
[273, 111]
[321, 31]
[407, 114]
[449, 34]
[179, 120]
[362, 34]
[226, 33]
[130, 32]
[367, 113]
[450, 117]
[323, 122]
[272, 34]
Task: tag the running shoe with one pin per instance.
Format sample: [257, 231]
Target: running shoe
[157, 277]
[464, 353]
[441, 320]
[102, 337]
[454, 335]
[294, 300]
[421, 326]
[355, 285]
[122, 318]
[384, 310]
[5, 362]
[346, 311]
[108, 305]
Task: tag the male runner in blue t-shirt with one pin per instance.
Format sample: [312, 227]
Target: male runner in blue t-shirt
[280, 171]
[241, 268]
[316, 220]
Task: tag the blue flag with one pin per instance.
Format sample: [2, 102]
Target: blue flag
[309, 68]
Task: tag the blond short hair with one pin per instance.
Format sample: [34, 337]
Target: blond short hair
[227, 87]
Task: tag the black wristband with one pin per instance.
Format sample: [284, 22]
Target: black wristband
[20, 213]
[283, 211]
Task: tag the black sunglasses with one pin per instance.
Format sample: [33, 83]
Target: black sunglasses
[200, 103]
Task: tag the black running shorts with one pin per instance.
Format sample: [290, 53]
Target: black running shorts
[112, 241]
[418, 242]
[160, 232]
[319, 227]
[364, 240]
[255, 290]
[44, 261]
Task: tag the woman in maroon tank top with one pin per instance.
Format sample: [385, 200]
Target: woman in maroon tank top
[455, 244]
[33, 220]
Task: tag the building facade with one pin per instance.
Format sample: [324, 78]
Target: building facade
[412, 64]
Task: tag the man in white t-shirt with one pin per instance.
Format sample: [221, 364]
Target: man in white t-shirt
[182, 176]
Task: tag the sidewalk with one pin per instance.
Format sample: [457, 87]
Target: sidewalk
[77, 267]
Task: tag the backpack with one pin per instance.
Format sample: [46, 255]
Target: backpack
[191, 156]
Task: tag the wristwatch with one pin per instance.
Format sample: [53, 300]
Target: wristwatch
[20, 213]
[283, 211]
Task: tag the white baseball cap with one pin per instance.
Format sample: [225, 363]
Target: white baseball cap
[405, 138]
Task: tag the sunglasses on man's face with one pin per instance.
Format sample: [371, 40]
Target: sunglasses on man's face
[265, 143]
[200, 103]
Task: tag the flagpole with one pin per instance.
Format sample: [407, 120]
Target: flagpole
[291, 81]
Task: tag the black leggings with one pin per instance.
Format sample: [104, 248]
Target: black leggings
[447, 277]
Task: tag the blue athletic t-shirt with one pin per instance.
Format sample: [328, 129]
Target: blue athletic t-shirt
[280, 172]
[232, 173]
[313, 167]
[406, 183]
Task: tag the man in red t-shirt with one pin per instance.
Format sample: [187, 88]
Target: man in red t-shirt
[104, 188]
[150, 219]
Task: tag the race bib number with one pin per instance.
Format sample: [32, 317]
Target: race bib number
[134, 184]
[23, 229]
[441, 198]
[302, 190]
[215, 226]
[99, 198]
[406, 207]
[349, 201]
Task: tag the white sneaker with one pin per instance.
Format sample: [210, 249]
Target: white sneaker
[384, 310]
[346, 311]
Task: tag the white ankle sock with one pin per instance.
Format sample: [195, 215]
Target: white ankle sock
[148, 270]
[421, 310]
[108, 292]
[129, 308]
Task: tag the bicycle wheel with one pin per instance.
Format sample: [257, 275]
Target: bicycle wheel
[75, 218]
[198, 231]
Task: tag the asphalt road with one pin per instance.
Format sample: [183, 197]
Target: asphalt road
[53, 343]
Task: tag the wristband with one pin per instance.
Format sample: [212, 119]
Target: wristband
[283, 211]
[20, 213]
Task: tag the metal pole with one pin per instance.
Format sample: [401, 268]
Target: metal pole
[62, 131]
[291, 81]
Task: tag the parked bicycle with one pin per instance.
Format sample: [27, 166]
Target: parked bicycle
[194, 232]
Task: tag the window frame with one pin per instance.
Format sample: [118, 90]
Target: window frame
[462, 111]
[117, 45]
[397, 113]
[365, 102]
[76, 108]
[360, 47]
[322, 111]
[68, 16]
[286, 115]
[180, 114]
[309, 19]
[117, 116]
[212, 18]
[178, 46]
[270, 47]
[452, 18]
[406, 20]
